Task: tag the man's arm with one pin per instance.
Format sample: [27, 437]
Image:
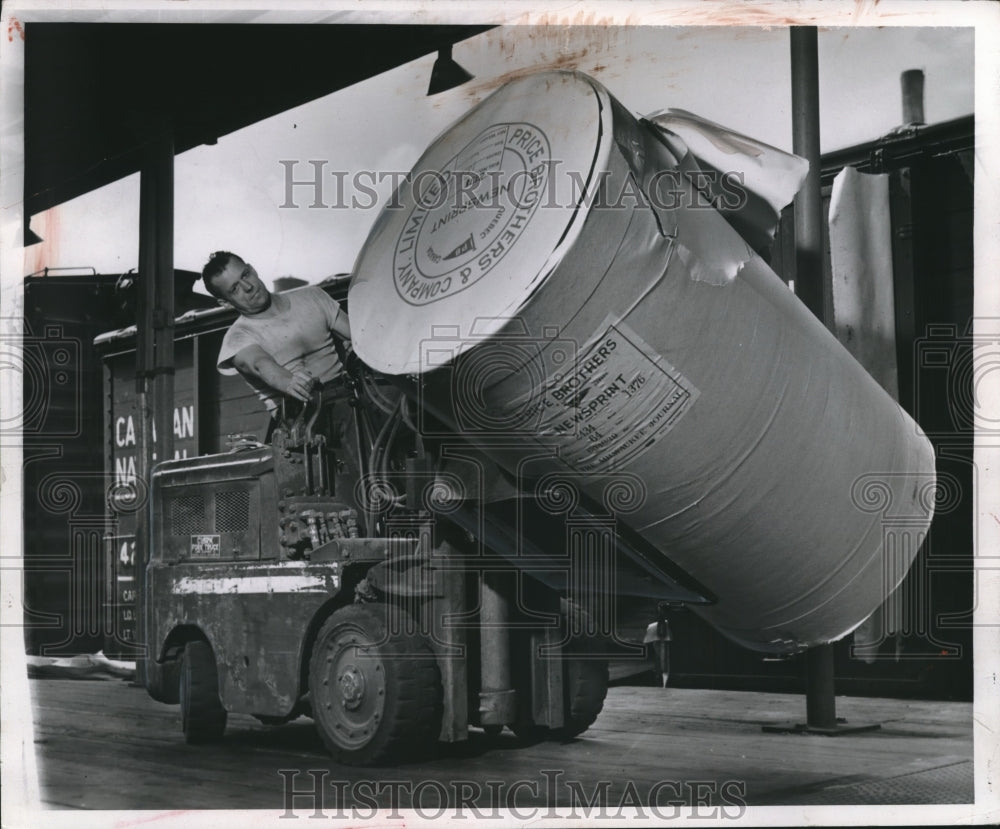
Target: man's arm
[342, 325]
[253, 361]
[336, 317]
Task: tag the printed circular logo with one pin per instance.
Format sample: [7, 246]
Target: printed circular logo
[470, 214]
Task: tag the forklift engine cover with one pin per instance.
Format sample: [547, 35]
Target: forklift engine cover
[571, 304]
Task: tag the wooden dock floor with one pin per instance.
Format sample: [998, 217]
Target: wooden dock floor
[107, 745]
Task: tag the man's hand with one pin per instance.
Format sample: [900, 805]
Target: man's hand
[254, 362]
[300, 385]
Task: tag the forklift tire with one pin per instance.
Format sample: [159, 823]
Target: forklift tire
[585, 685]
[376, 696]
[202, 716]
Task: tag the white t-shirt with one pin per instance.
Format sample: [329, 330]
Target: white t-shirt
[299, 337]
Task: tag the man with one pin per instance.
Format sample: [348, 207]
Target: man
[282, 344]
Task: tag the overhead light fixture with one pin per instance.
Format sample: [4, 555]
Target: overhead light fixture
[446, 74]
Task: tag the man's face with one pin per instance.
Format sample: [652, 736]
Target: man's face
[239, 285]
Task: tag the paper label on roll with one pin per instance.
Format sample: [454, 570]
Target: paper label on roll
[468, 215]
[621, 398]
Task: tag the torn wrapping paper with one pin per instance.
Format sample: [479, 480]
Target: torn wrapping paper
[749, 182]
[591, 333]
[861, 261]
[864, 318]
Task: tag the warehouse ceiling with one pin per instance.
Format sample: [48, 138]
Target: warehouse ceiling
[95, 92]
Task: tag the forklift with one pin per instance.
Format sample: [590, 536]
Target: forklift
[343, 571]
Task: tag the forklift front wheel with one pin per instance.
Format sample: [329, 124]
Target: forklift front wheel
[202, 716]
[376, 691]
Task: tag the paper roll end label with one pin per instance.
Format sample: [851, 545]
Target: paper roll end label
[467, 216]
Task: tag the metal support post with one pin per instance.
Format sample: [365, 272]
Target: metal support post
[817, 295]
[809, 282]
[155, 349]
[820, 700]
[821, 703]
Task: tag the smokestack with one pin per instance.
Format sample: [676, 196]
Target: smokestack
[912, 82]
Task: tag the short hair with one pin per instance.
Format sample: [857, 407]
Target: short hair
[215, 266]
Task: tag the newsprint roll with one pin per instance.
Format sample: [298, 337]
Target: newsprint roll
[568, 295]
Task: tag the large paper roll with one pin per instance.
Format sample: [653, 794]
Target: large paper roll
[570, 298]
